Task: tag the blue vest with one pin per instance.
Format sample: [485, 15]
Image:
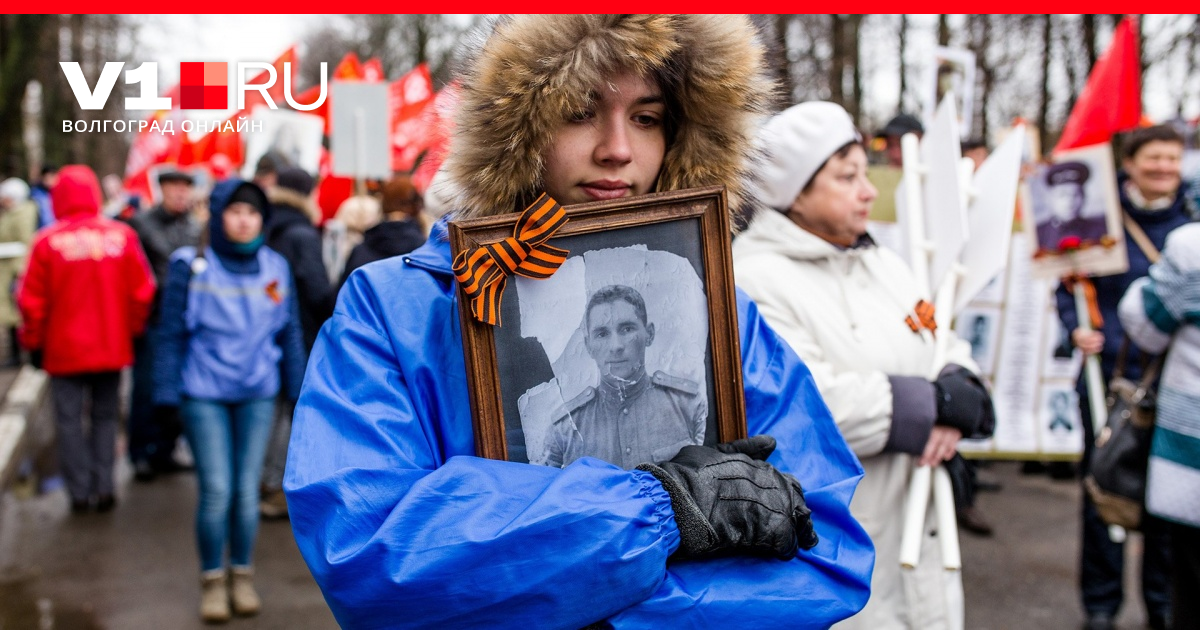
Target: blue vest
[232, 322]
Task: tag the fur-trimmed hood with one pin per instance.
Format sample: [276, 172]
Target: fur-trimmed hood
[532, 72]
[287, 197]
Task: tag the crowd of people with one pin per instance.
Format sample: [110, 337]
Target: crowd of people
[214, 301]
[316, 370]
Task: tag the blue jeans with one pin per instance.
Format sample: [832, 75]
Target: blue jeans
[228, 441]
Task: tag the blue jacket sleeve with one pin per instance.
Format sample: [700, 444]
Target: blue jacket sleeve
[400, 532]
[819, 587]
[171, 336]
[291, 341]
[401, 527]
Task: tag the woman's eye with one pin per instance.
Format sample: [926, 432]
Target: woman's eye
[647, 120]
[582, 116]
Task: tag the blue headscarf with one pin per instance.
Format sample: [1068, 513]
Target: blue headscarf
[241, 258]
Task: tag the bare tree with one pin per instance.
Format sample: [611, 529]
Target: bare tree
[1044, 103]
[400, 42]
[20, 43]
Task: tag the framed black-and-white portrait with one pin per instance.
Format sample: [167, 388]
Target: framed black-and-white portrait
[980, 327]
[627, 352]
[1073, 215]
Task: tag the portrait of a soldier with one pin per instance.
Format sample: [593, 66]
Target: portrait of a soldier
[1066, 198]
[630, 416]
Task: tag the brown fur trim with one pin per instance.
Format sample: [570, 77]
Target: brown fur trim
[289, 197]
[534, 71]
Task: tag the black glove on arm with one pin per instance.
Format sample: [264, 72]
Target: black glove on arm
[726, 498]
[963, 402]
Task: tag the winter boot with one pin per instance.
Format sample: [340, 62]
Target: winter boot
[214, 596]
[245, 599]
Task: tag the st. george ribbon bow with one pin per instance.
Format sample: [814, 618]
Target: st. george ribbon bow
[482, 272]
[925, 318]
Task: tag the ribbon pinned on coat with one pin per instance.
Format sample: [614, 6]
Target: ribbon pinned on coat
[482, 272]
[925, 318]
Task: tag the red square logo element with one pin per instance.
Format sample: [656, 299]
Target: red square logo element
[203, 85]
[191, 97]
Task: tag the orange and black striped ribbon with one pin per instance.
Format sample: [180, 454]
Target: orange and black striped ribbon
[925, 318]
[1089, 292]
[483, 271]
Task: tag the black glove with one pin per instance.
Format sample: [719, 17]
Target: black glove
[726, 498]
[167, 417]
[963, 402]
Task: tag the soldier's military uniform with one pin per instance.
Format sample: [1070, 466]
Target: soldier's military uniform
[647, 420]
[1050, 233]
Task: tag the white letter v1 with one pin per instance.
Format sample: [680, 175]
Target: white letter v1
[86, 98]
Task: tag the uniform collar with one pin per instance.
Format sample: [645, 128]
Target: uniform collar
[612, 388]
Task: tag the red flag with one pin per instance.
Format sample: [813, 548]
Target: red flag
[254, 97]
[408, 97]
[1112, 99]
[372, 71]
[348, 69]
[438, 124]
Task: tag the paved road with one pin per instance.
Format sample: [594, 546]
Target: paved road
[136, 567]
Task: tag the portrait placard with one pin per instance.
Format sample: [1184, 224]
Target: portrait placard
[628, 352]
[951, 71]
[1073, 215]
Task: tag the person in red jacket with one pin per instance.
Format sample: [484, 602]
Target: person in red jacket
[86, 294]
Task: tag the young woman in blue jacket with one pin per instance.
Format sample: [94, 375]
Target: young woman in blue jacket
[399, 522]
[230, 333]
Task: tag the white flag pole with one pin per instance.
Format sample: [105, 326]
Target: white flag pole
[917, 501]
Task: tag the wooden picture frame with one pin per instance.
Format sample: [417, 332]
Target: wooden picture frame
[648, 243]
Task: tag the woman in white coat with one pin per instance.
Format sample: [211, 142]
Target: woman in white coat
[849, 309]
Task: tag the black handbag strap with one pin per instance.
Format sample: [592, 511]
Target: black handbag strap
[1151, 365]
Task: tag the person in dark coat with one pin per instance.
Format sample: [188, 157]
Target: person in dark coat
[403, 229]
[161, 230]
[1154, 196]
[291, 233]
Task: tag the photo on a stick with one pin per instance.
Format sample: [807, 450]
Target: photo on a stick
[1073, 216]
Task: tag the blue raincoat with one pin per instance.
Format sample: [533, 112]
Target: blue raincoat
[403, 527]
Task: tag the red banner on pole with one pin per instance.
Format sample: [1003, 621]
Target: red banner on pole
[1111, 100]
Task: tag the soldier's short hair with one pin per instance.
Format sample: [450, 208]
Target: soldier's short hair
[612, 293]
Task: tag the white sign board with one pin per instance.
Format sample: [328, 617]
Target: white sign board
[1016, 338]
[294, 136]
[360, 133]
[951, 71]
[990, 218]
[945, 217]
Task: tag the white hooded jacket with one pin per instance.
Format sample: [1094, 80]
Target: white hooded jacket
[843, 311]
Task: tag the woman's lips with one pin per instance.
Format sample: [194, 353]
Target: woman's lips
[605, 189]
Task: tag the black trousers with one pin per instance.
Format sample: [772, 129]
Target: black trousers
[1102, 562]
[1185, 542]
[148, 440]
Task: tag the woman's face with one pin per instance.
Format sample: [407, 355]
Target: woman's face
[1155, 168]
[835, 207]
[614, 149]
[242, 222]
